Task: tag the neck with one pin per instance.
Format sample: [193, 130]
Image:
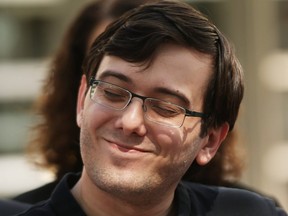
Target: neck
[95, 201]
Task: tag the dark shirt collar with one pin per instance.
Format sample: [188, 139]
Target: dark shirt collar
[62, 200]
[191, 199]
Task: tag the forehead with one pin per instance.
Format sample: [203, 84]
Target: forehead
[174, 67]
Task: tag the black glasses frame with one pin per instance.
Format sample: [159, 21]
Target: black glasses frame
[187, 111]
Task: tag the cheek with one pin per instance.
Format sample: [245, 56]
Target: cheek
[168, 142]
[95, 116]
[94, 119]
[178, 145]
[191, 149]
[177, 152]
[191, 142]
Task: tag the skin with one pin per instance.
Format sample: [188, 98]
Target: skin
[132, 165]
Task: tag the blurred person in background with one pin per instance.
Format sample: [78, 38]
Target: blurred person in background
[56, 138]
[160, 91]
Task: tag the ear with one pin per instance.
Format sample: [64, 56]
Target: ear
[81, 99]
[213, 140]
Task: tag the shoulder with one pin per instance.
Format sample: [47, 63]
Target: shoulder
[38, 194]
[229, 201]
[245, 202]
[55, 205]
[9, 207]
[42, 209]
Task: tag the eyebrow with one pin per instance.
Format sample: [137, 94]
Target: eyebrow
[110, 73]
[120, 76]
[176, 94]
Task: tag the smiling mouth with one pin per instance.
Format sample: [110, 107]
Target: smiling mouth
[125, 148]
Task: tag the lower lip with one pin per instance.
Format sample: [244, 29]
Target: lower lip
[123, 149]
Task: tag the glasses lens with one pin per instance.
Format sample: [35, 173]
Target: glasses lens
[109, 95]
[164, 113]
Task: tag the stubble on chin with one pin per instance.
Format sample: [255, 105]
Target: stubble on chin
[130, 187]
[140, 185]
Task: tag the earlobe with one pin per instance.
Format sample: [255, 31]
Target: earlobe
[81, 99]
[214, 138]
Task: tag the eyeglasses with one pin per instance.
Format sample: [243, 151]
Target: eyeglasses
[155, 110]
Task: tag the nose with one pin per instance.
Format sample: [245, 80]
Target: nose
[132, 118]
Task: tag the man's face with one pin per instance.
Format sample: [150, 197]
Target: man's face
[125, 153]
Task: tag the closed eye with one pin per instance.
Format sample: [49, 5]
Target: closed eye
[166, 110]
[114, 95]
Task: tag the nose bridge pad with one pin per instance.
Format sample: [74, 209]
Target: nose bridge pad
[139, 97]
[144, 107]
[139, 100]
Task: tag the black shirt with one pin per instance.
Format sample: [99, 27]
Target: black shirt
[191, 199]
[36, 195]
[11, 207]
